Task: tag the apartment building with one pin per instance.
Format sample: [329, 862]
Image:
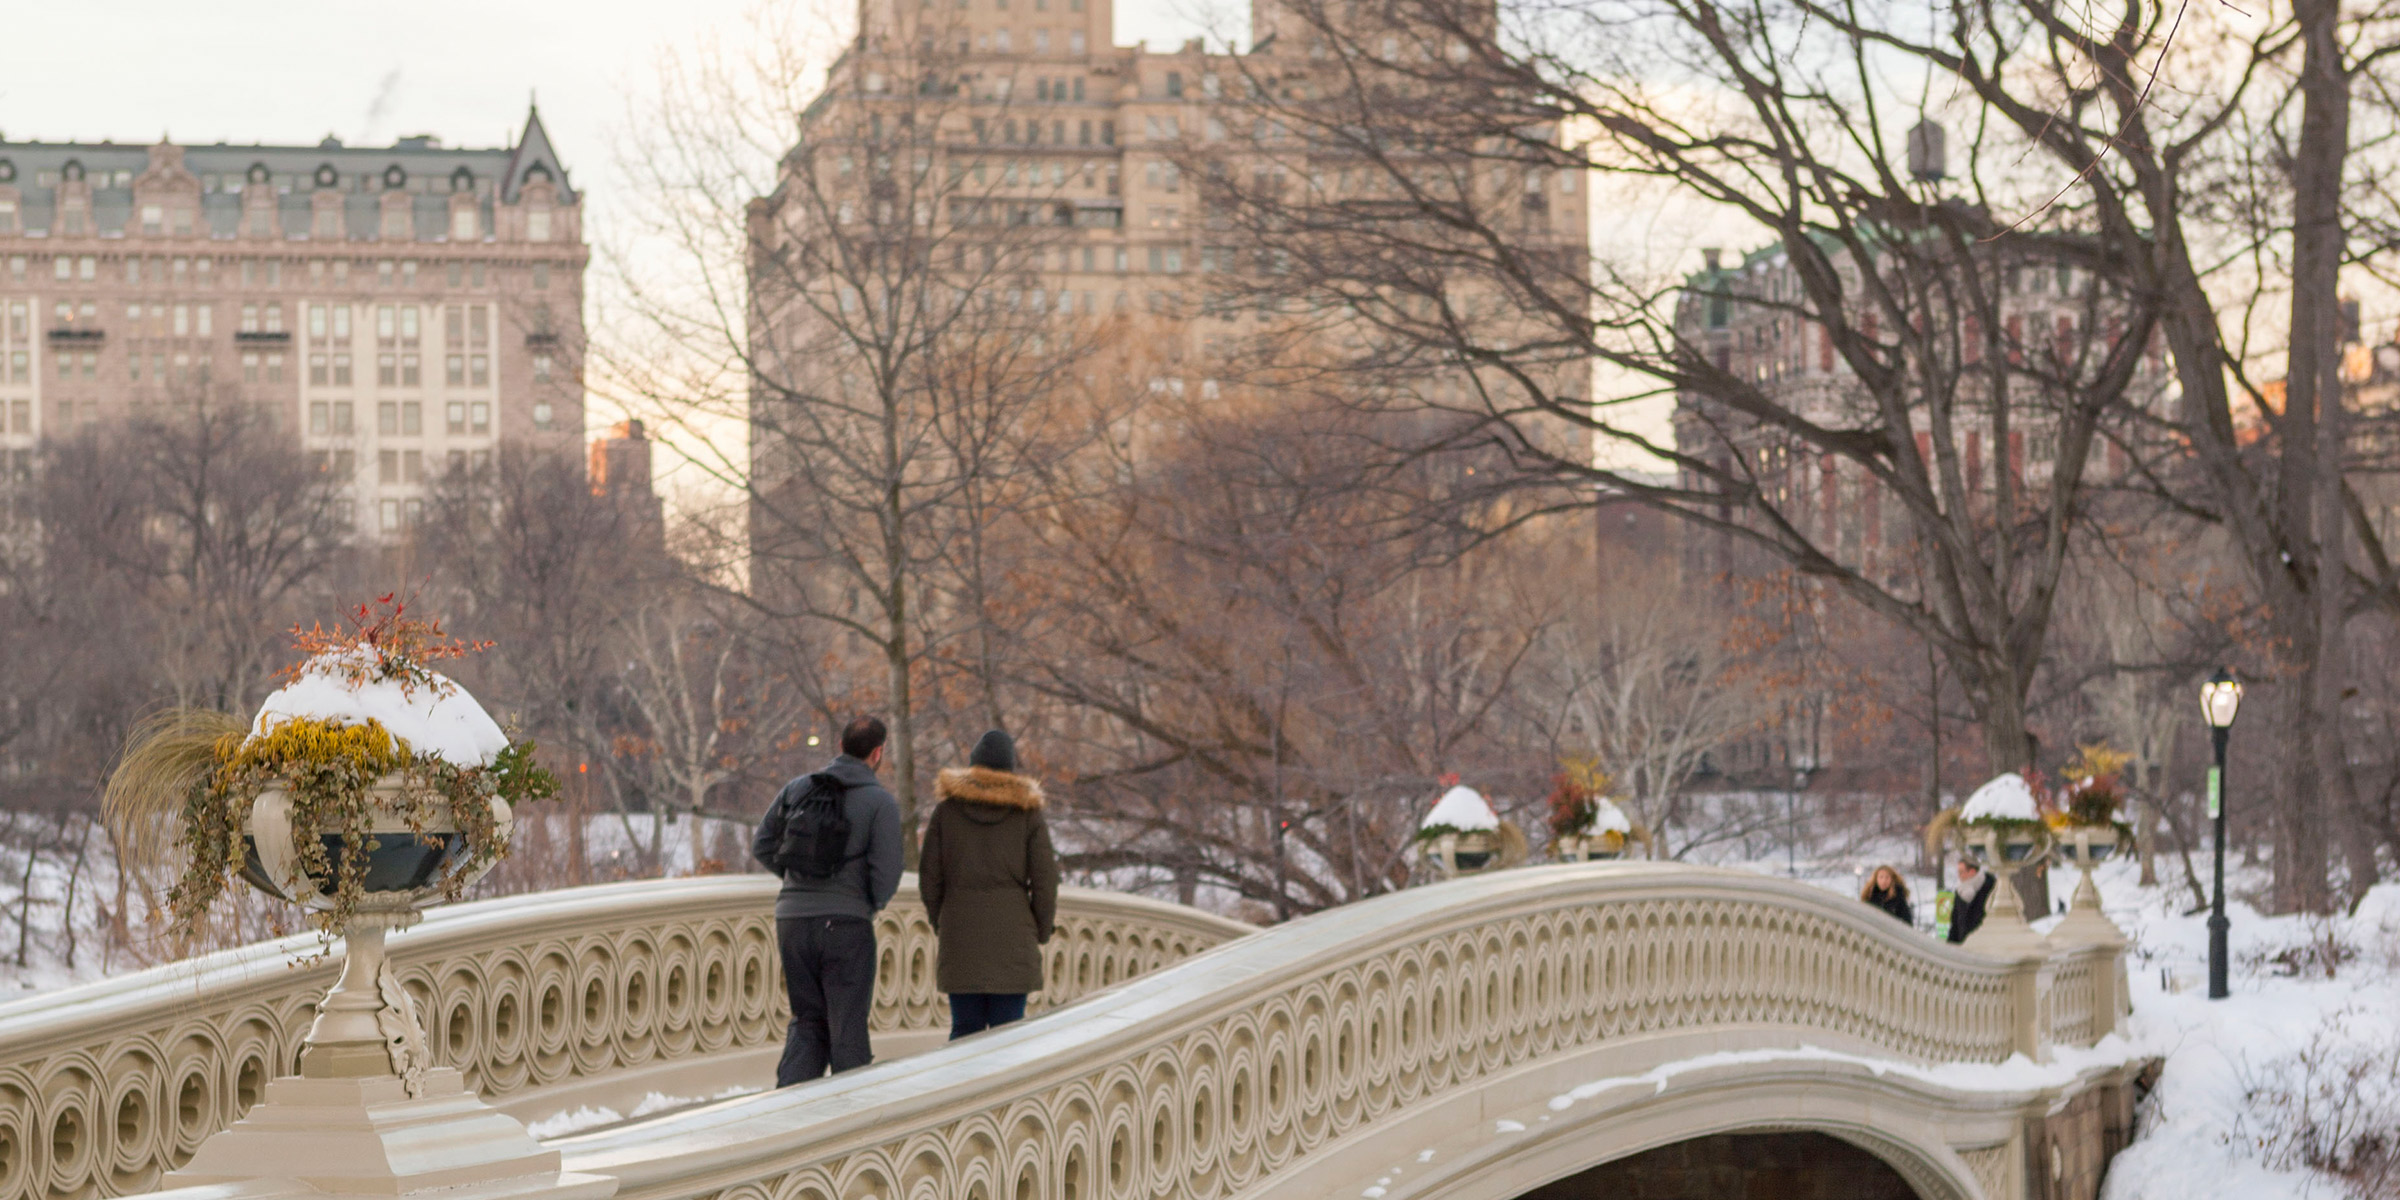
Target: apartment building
[2057, 322]
[965, 132]
[401, 310]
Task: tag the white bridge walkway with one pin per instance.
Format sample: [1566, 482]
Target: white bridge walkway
[1474, 1039]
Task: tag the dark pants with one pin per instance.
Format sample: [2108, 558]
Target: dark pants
[829, 972]
[974, 1012]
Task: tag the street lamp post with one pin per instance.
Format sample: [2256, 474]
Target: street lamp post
[2220, 699]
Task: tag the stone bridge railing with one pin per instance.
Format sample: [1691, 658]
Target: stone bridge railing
[104, 1087]
[1349, 1036]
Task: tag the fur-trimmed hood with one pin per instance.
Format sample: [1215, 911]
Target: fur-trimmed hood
[983, 785]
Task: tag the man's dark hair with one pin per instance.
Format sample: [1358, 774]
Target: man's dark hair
[863, 736]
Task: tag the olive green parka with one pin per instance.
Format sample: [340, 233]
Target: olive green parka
[989, 880]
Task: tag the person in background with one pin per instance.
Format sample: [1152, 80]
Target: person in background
[1974, 891]
[825, 923]
[990, 883]
[1887, 891]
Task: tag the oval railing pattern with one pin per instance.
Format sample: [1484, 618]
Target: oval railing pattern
[1210, 1077]
[104, 1087]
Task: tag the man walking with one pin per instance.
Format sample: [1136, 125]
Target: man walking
[834, 836]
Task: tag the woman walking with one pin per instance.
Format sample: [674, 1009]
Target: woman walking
[990, 884]
[1887, 891]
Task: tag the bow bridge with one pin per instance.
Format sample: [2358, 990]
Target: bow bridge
[1546, 1032]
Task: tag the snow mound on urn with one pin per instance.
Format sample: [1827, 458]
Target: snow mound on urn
[1462, 808]
[439, 719]
[2006, 797]
[1608, 818]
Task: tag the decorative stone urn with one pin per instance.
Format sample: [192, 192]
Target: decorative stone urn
[2003, 850]
[1454, 854]
[366, 1024]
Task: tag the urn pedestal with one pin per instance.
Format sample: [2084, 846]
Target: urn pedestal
[2086, 847]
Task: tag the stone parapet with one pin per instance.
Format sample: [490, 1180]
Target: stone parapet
[540, 1002]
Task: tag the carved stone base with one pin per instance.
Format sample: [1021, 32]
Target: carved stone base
[368, 1137]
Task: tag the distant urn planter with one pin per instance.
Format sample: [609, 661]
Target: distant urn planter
[1463, 836]
[2087, 830]
[2001, 828]
[1585, 825]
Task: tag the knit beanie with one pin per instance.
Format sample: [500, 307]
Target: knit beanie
[995, 750]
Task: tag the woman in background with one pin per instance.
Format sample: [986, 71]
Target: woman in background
[1887, 891]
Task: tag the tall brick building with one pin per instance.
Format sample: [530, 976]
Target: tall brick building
[400, 309]
[965, 134]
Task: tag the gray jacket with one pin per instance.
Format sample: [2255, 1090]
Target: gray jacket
[865, 883]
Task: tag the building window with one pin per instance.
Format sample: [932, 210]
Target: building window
[387, 467]
[412, 466]
[387, 420]
[454, 370]
[479, 370]
[537, 225]
[455, 416]
[249, 368]
[541, 276]
[249, 318]
[410, 375]
[341, 370]
[541, 415]
[153, 220]
[387, 370]
[464, 227]
[341, 418]
[316, 371]
[391, 514]
[275, 368]
[412, 418]
[541, 368]
[274, 318]
[480, 417]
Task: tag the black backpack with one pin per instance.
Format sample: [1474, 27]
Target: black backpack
[816, 832]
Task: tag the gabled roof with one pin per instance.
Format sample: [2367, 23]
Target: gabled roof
[533, 151]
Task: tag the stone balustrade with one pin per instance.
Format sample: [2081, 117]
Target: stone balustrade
[1305, 1057]
[104, 1087]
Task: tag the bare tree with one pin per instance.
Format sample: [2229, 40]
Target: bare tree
[867, 309]
[1260, 670]
[1652, 681]
[1881, 399]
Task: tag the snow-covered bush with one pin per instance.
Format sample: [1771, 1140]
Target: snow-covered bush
[2334, 1107]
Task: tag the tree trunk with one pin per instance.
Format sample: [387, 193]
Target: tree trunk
[2310, 490]
[2008, 745]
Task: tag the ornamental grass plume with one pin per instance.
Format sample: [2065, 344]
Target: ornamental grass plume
[169, 755]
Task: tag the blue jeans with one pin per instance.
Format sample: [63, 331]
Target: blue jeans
[974, 1012]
